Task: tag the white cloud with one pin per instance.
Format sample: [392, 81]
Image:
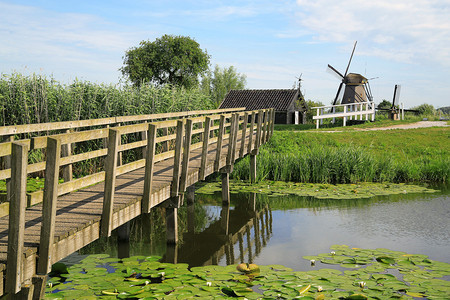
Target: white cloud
[401, 30]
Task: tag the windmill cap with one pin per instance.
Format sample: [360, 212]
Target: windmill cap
[354, 78]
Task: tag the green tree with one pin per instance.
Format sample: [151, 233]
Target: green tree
[176, 60]
[312, 112]
[384, 104]
[425, 109]
[219, 82]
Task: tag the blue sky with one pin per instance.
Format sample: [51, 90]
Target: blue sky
[403, 42]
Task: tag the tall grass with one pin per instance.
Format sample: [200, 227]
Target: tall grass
[350, 157]
[39, 99]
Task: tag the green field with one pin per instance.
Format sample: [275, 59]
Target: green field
[413, 155]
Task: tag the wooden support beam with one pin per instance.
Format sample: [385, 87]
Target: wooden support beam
[219, 142]
[7, 165]
[225, 218]
[144, 136]
[234, 140]
[205, 145]
[171, 225]
[66, 150]
[244, 133]
[190, 194]
[110, 182]
[49, 205]
[251, 130]
[252, 168]
[186, 153]
[231, 150]
[258, 132]
[17, 206]
[149, 163]
[273, 121]
[174, 191]
[269, 124]
[225, 187]
[264, 127]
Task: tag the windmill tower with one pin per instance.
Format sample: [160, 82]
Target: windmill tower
[357, 87]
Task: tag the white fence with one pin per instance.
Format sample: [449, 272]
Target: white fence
[351, 110]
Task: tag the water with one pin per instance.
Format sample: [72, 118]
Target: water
[280, 230]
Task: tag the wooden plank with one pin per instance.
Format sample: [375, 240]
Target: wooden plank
[49, 205]
[186, 153]
[219, 142]
[177, 159]
[16, 218]
[67, 169]
[258, 129]
[243, 135]
[205, 145]
[234, 124]
[110, 182]
[149, 163]
[73, 137]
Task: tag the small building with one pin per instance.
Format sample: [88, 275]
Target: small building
[290, 106]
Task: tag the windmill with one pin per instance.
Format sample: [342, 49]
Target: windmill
[357, 88]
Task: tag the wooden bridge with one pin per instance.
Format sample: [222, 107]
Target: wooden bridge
[176, 150]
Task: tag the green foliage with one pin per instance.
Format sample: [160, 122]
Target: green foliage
[176, 60]
[351, 157]
[219, 82]
[367, 275]
[384, 104]
[37, 99]
[425, 109]
[311, 112]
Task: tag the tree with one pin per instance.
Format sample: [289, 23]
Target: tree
[384, 104]
[176, 60]
[219, 82]
[312, 112]
[425, 109]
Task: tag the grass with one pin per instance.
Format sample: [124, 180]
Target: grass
[414, 155]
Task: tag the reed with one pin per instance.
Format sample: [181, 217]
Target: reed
[420, 155]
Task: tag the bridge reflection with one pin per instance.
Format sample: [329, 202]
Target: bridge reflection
[238, 236]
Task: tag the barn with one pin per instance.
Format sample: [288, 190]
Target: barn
[289, 104]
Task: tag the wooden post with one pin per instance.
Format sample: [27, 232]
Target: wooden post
[110, 182]
[49, 205]
[174, 190]
[171, 225]
[345, 118]
[225, 188]
[252, 126]
[225, 219]
[190, 194]
[165, 144]
[258, 131]
[119, 158]
[149, 162]
[186, 153]
[234, 120]
[252, 168]
[249, 244]
[234, 140]
[244, 134]
[144, 136]
[7, 164]
[264, 127]
[204, 159]
[269, 124]
[219, 143]
[17, 207]
[241, 247]
[317, 121]
[66, 150]
[123, 240]
[321, 120]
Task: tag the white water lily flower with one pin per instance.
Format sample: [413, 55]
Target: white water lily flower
[333, 253]
[313, 262]
[208, 283]
[319, 288]
[362, 284]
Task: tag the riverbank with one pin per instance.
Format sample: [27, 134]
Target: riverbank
[351, 156]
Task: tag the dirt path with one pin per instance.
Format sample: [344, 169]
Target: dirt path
[421, 124]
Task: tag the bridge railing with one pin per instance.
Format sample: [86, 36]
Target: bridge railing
[164, 140]
[351, 110]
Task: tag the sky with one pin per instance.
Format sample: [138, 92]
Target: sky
[272, 42]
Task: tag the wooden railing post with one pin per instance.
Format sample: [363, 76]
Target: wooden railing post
[235, 136]
[317, 121]
[258, 130]
[186, 153]
[174, 191]
[244, 134]
[233, 125]
[7, 165]
[269, 124]
[144, 136]
[16, 228]
[264, 126]
[219, 143]
[205, 145]
[110, 182]
[49, 205]
[251, 129]
[345, 118]
[149, 162]
[66, 150]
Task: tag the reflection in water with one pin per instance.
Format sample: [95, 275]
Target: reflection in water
[237, 236]
[280, 230]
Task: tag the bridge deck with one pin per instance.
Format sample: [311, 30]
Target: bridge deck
[79, 213]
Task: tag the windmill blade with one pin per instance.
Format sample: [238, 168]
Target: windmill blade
[351, 56]
[338, 92]
[335, 73]
[396, 95]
